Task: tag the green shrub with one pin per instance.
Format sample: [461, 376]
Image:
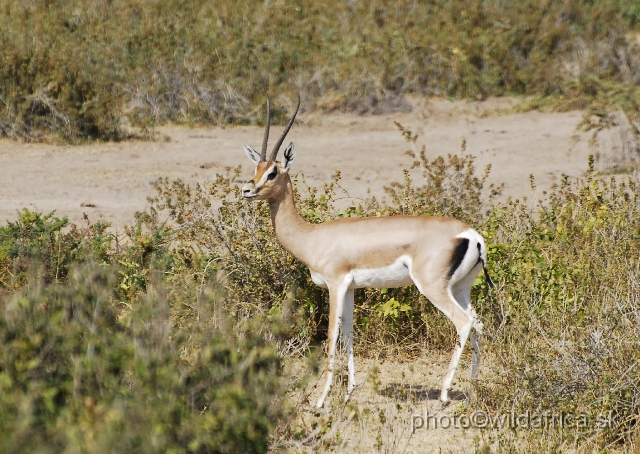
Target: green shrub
[81, 373]
[237, 239]
[561, 328]
[50, 242]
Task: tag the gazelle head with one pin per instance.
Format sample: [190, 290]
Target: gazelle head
[269, 180]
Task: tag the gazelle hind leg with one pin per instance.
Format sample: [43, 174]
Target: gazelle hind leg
[461, 293]
[457, 309]
[476, 343]
[462, 320]
[336, 305]
[463, 330]
[347, 338]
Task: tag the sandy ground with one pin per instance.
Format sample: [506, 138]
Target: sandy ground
[394, 409]
[112, 180]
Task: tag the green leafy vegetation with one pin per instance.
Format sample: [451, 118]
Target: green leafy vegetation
[80, 70]
[109, 350]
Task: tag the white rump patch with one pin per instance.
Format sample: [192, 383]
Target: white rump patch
[471, 235]
[459, 288]
[470, 259]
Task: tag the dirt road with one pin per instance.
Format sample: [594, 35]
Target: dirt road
[112, 180]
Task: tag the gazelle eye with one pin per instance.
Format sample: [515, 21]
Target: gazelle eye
[273, 174]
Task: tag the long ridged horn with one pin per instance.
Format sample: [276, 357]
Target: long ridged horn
[276, 148]
[263, 155]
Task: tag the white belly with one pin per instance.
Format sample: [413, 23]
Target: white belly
[398, 274]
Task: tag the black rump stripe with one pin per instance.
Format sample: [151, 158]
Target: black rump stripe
[459, 252]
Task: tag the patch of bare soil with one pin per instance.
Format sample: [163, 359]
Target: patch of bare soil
[111, 181]
[395, 408]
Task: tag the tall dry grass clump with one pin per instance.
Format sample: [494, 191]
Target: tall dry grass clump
[564, 325]
[78, 70]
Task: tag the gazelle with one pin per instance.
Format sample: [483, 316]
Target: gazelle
[440, 255]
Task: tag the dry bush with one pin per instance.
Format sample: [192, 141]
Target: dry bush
[92, 70]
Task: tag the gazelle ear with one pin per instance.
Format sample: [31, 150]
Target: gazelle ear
[289, 155]
[251, 153]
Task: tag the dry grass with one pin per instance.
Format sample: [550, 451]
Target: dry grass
[121, 67]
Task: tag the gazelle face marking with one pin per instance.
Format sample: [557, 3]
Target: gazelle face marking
[267, 183]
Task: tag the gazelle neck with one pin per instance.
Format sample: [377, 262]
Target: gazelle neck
[291, 230]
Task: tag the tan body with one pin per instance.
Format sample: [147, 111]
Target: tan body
[441, 256]
[365, 243]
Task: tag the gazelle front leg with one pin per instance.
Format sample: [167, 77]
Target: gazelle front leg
[347, 338]
[337, 295]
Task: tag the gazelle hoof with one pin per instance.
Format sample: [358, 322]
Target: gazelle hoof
[444, 398]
